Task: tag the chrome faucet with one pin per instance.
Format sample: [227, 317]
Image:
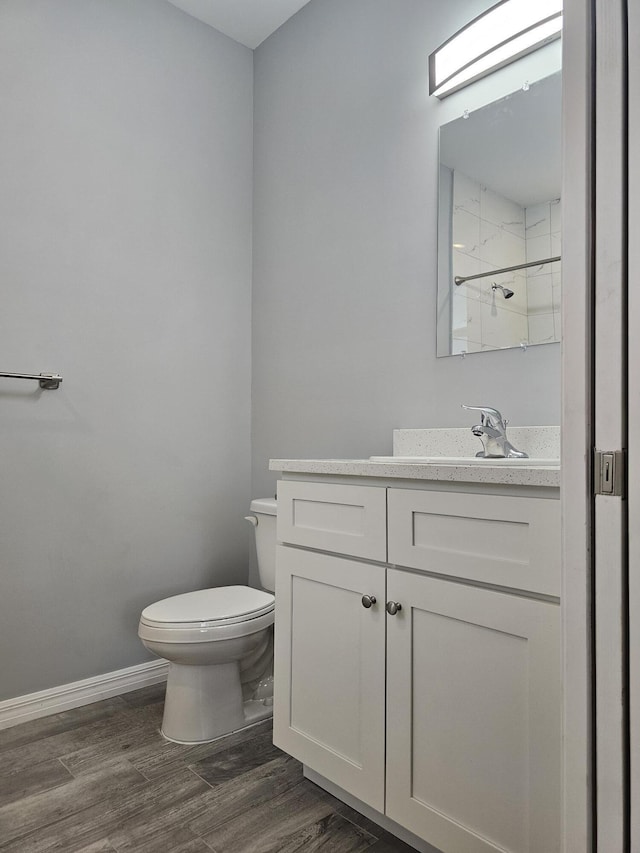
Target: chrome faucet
[492, 432]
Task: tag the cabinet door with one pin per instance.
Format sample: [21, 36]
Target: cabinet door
[330, 669]
[473, 717]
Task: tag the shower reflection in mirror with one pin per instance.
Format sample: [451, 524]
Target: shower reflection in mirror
[499, 207]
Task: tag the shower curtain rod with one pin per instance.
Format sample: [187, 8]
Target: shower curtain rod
[460, 279]
[50, 381]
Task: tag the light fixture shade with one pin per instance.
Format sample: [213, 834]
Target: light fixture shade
[502, 34]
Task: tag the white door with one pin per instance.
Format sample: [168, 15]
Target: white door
[610, 407]
[330, 668]
[634, 420]
[600, 412]
[473, 717]
[576, 493]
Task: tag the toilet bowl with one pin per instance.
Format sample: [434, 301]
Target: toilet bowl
[219, 644]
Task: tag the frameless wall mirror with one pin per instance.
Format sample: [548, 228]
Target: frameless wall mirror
[499, 232]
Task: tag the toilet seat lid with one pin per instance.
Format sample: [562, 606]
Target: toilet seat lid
[221, 605]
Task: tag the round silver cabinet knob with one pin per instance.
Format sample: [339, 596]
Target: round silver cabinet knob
[393, 607]
[368, 601]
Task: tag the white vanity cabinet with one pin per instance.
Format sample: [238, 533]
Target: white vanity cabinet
[444, 716]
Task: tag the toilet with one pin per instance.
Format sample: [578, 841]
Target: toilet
[219, 644]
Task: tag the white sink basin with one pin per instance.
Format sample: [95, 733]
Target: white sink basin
[466, 460]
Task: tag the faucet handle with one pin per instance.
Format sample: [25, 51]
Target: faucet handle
[490, 416]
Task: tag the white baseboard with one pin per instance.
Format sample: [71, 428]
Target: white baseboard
[56, 699]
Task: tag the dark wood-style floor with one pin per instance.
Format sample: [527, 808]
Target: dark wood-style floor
[101, 779]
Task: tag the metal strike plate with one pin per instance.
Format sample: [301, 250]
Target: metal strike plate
[609, 472]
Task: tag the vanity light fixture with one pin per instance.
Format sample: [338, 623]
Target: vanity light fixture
[502, 34]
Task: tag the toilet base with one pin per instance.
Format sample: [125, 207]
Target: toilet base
[254, 712]
[204, 703]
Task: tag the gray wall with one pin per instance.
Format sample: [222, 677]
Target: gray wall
[345, 211]
[125, 262]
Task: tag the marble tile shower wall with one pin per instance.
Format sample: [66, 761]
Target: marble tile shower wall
[543, 240]
[489, 232]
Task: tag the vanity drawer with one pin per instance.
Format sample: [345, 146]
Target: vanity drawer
[508, 541]
[349, 520]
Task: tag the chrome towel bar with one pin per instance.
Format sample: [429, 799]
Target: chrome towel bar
[50, 381]
[460, 279]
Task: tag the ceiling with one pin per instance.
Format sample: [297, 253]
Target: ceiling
[248, 21]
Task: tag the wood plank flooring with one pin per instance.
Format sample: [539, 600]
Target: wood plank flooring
[101, 779]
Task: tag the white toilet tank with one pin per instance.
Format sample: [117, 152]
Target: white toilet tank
[265, 510]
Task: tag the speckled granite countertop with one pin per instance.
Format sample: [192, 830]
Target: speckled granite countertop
[499, 473]
[539, 442]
